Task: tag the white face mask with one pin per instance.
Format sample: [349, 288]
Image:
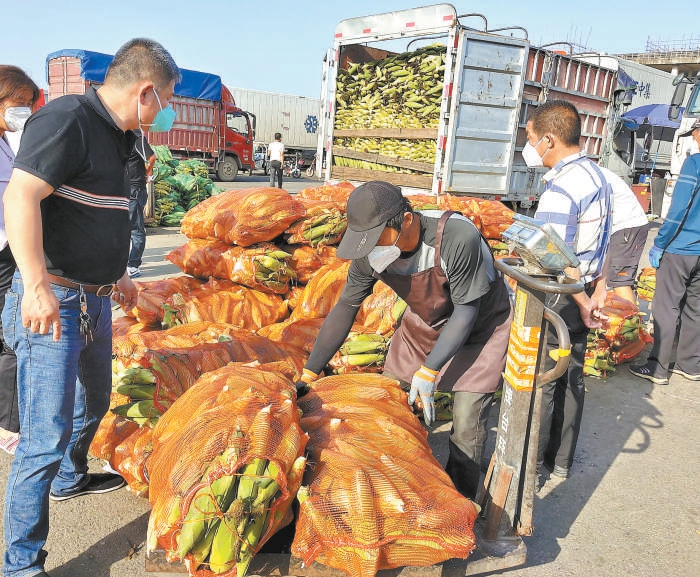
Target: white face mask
[16, 117]
[531, 156]
[382, 256]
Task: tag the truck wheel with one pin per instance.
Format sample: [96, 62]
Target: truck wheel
[227, 169]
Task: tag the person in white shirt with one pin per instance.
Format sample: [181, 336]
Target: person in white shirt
[275, 152]
[630, 228]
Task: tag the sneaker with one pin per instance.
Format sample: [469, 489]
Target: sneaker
[645, 372]
[687, 376]
[97, 483]
[133, 271]
[561, 472]
[9, 441]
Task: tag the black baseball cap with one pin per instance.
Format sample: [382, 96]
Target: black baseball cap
[370, 206]
[695, 126]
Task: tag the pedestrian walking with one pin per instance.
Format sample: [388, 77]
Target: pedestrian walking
[275, 153]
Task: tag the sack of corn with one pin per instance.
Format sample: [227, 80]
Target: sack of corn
[128, 325]
[112, 431]
[324, 223]
[378, 498]
[322, 291]
[646, 284]
[263, 266]
[129, 460]
[223, 301]
[293, 296]
[333, 192]
[427, 201]
[381, 311]
[154, 369]
[307, 260]
[491, 217]
[243, 217]
[361, 352]
[226, 464]
[152, 295]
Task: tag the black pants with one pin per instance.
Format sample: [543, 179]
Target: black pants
[562, 400]
[275, 173]
[677, 301]
[9, 413]
[137, 202]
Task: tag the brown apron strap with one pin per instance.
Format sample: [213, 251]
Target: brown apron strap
[438, 235]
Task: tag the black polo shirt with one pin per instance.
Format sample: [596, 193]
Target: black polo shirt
[73, 144]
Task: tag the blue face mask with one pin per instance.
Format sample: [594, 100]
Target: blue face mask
[163, 121]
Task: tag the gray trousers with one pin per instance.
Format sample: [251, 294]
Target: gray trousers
[677, 302]
[467, 440]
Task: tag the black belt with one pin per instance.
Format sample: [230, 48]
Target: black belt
[100, 290]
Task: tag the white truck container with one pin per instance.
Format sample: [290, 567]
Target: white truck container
[296, 118]
[491, 82]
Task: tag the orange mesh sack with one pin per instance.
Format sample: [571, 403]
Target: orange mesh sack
[324, 223]
[375, 498]
[128, 325]
[243, 217]
[646, 284]
[227, 462]
[293, 297]
[307, 260]
[336, 192]
[154, 369]
[263, 267]
[113, 430]
[495, 218]
[322, 291]
[225, 302]
[129, 460]
[152, 294]
[382, 310]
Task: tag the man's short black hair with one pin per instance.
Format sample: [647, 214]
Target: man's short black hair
[278, 136]
[143, 59]
[560, 118]
[396, 221]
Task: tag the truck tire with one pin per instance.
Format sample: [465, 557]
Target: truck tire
[227, 170]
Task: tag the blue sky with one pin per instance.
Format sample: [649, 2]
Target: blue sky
[278, 46]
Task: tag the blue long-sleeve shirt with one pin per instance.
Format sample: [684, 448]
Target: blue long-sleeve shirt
[680, 234]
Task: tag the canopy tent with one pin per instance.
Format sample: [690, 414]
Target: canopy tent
[651, 122]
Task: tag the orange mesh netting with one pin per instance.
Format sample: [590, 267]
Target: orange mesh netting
[127, 326]
[238, 416]
[152, 294]
[129, 460]
[226, 302]
[322, 291]
[206, 258]
[427, 201]
[293, 297]
[382, 310]
[324, 224]
[243, 217]
[336, 192]
[306, 260]
[376, 497]
[177, 357]
[646, 284]
[113, 430]
[490, 216]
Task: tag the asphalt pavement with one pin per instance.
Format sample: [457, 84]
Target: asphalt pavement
[631, 507]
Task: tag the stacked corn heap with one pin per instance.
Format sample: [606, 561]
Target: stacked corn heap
[179, 185]
[324, 224]
[226, 464]
[622, 338]
[401, 91]
[380, 499]
[646, 284]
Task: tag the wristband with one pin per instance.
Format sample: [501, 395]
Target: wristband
[308, 376]
[426, 373]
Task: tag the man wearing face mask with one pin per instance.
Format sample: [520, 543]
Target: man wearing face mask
[676, 304]
[576, 201]
[18, 93]
[454, 333]
[69, 233]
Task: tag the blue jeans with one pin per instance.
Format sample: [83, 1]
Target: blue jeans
[63, 390]
[137, 202]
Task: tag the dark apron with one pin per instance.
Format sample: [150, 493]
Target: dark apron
[478, 366]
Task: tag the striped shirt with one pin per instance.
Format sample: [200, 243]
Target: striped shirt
[577, 203]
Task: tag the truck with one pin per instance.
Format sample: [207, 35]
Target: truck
[474, 110]
[296, 118]
[208, 126]
[682, 147]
